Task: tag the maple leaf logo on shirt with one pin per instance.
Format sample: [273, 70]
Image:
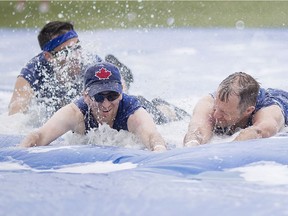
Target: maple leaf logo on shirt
[103, 74]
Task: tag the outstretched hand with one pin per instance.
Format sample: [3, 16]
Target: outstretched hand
[192, 143]
[159, 148]
[30, 140]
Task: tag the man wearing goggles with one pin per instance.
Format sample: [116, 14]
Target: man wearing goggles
[55, 76]
[103, 102]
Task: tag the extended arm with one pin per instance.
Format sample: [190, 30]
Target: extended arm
[266, 122]
[21, 97]
[65, 119]
[200, 129]
[142, 125]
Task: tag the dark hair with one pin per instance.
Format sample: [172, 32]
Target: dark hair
[241, 84]
[52, 29]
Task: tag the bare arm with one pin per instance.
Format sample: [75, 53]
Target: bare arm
[141, 124]
[266, 123]
[21, 96]
[200, 129]
[65, 119]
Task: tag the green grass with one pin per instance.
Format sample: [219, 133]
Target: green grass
[146, 14]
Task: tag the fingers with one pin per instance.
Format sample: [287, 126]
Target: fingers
[192, 143]
[159, 148]
[30, 141]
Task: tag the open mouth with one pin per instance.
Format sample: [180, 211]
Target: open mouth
[106, 111]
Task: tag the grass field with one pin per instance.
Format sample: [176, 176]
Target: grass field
[146, 14]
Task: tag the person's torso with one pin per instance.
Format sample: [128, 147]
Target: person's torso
[127, 106]
[53, 87]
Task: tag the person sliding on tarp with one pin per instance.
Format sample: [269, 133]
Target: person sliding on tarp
[103, 102]
[238, 104]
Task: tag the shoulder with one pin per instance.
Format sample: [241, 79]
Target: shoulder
[270, 97]
[34, 68]
[82, 106]
[37, 62]
[129, 103]
[277, 97]
[130, 98]
[140, 119]
[127, 107]
[68, 118]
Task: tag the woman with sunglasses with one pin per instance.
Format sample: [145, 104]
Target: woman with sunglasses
[102, 103]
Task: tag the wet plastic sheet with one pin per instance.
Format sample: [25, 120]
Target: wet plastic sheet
[179, 181]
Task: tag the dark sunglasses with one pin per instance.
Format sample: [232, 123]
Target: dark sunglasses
[110, 96]
[66, 50]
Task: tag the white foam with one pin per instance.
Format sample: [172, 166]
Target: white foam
[15, 124]
[97, 167]
[83, 168]
[11, 166]
[52, 148]
[265, 172]
[105, 136]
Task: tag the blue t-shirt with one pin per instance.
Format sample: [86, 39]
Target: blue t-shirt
[127, 106]
[270, 97]
[49, 90]
[265, 98]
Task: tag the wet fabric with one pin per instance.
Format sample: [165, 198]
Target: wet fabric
[127, 106]
[41, 75]
[273, 97]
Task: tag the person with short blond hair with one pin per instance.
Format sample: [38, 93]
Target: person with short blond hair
[238, 104]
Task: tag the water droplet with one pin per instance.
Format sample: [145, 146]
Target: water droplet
[60, 15]
[170, 21]
[240, 25]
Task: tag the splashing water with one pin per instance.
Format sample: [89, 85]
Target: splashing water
[105, 136]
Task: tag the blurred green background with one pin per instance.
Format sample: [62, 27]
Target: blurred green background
[145, 14]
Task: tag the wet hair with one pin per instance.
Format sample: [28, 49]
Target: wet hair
[52, 29]
[242, 85]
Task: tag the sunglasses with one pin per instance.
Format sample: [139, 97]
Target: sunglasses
[110, 96]
[66, 50]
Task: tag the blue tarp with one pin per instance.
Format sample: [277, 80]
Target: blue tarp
[180, 181]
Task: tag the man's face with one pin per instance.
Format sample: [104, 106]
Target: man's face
[227, 114]
[106, 110]
[66, 60]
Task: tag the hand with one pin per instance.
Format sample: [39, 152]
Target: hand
[30, 140]
[159, 148]
[192, 143]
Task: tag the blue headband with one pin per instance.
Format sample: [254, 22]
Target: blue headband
[52, 44]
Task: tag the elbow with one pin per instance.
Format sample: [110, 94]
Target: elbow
[265, 132]
[15, 107]
[12, 111]
[255, 133]
[260, 133]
